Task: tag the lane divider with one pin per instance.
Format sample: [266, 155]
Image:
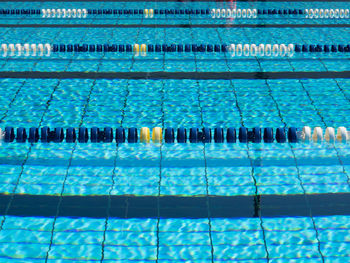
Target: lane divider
[64, 13]
[238, 50]
[234, 13]
[327, 13]
[333, 13]
[281, 12]
[6, 12]
[83, 12]
[25, 49]
[235, 49]
[322, 48]
[308, 13]
[261, 50]
[149, 12]
[181, 135]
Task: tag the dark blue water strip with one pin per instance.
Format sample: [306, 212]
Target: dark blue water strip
[177, 207]
[202, 1]
[260, 25]
[175, 75]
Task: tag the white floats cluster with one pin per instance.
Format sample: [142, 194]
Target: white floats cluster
[233, 13]
[307, 135]
[261, 50]
[148, 13]
[25, 50]
[327, 13]
[64, 13]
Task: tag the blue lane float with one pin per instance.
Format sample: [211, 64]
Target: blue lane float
[243, 134]
[148, 12]
[281, 12]
[6, 12]
[83, 135]
[9, 135]
[235, 50]
[199, 47]
[321, 48]
[169, 135]
[132, 135]
[268, 135]
[33, 135]
[21, 135]
[231, 135]
[236, 13]
[97, 135]
[182, 135]
[70, 135]
[82, 13]
[292, 134]
[57, 135]
[280, 135]
[194, 137]
[120, 135]
[218, 135]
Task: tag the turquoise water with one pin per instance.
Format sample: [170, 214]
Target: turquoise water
[154, 103]
[180, 240]
[108, 202]
[184, 62]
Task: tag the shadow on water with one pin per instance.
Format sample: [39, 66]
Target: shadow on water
[126, 206]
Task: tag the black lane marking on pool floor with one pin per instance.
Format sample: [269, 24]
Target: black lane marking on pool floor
[176, 75]
[174, 26]
[178, 207]
[179, 1]
[151, 58]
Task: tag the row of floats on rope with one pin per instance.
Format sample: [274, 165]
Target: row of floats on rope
[234, 49]
[280, 12]
[309, 13]
[155, 11]
[234, 13]
[150, 13]
[20, 11]
[25, 49]
[182, 135]
[83, 12]
[261, 50]
[253, 13]
[64, 13]
[322, 48]
[327, 13]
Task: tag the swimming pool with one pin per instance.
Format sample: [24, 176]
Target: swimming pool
[174, 202]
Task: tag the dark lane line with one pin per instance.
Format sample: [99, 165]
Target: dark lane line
[176, 75]
[176, 1]
[178, 207]
[174, 26]
[61, 56]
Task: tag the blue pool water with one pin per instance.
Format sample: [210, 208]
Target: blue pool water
[180, 240]
[180, 202]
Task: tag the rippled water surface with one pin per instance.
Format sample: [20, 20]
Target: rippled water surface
[180, 202]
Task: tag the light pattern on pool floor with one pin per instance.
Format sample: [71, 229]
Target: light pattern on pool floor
[176, 240]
